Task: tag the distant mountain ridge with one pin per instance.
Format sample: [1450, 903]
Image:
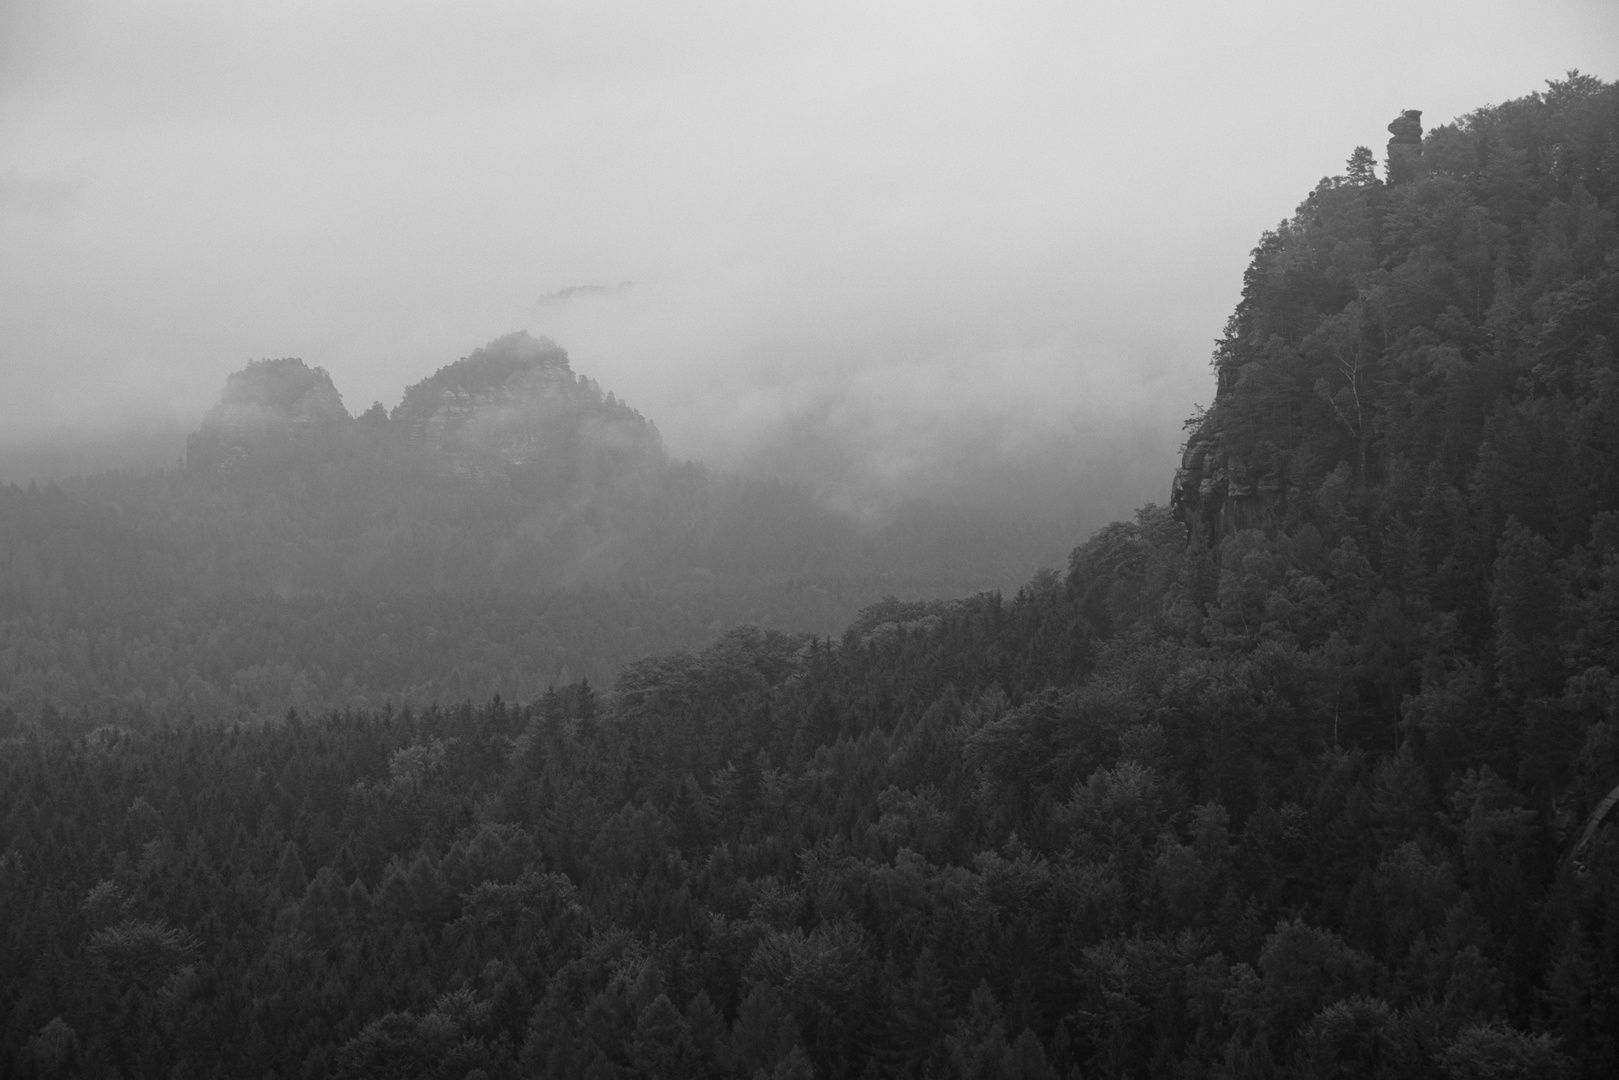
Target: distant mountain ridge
[506, 525]
[512, 404]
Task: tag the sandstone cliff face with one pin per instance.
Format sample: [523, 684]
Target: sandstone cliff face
[1214, 496]
[1405, 148]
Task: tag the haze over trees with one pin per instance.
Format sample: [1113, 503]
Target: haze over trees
[1295, 777]
[508, 525]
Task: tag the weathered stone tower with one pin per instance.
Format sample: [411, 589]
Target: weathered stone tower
[1405, 149]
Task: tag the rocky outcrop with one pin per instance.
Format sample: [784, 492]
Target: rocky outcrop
[268, 405]
[1221, 489]
[494, 406]
[511, 411]
[1405, 148]
[1215, 497]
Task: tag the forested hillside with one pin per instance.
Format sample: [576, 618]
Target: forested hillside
[1294, 777]
[508, 525]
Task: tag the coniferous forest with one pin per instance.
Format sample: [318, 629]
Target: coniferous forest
[1305, 772]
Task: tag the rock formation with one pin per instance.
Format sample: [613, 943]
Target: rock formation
[1214, 496]
[516, 404]
[268, 405]
[512, 408]
[491, 404]
[1219, 490]
[1405, 149]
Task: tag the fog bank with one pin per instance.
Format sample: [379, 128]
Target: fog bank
[888, 249]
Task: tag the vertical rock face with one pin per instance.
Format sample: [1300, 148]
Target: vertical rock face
[1405, 148]
[1214, 496]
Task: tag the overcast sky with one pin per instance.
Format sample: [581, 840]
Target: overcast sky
[882, 243]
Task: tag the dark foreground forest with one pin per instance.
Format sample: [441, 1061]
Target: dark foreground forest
[1297, 776]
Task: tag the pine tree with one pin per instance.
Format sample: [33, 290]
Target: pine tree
[1361, 168]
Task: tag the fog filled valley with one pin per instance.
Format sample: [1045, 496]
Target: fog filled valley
[507, 526]
[481, 737]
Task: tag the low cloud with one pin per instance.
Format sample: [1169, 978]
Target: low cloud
[581, 292]
[1033, 389]
[974, 251]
